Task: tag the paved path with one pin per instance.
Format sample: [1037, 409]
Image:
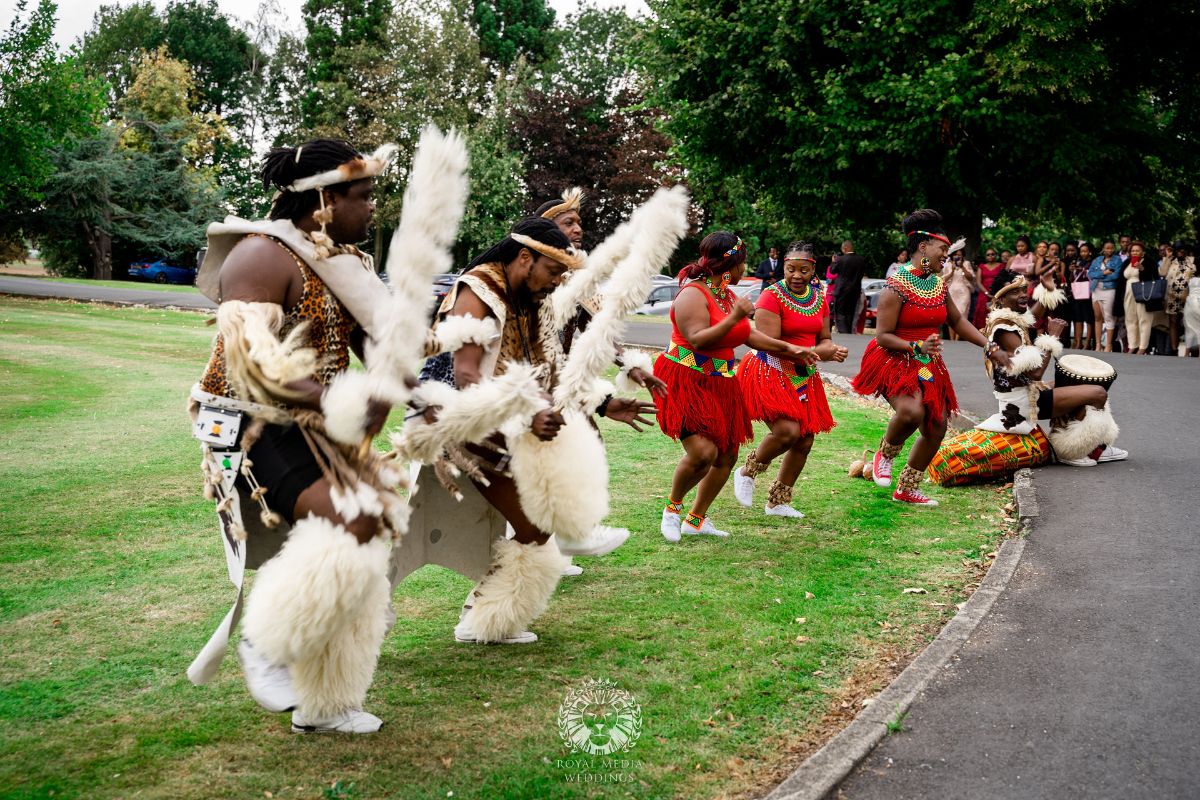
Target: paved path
[1084, 680]
[33, 287]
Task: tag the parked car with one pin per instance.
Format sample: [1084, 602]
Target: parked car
[441, 287]
[658, 302]
[872, 289]
[162, 271]
[748, 287]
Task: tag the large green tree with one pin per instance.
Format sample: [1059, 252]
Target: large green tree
[848, 113]
[509, 29]
[334, 27]
[44, 100]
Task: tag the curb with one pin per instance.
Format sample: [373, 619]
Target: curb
[825, 769]
[114, 303]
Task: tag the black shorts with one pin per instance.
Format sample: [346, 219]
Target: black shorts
[1045, 404]
[283, 463]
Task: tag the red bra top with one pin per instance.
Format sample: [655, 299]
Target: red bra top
[922, 304]
[736, 337]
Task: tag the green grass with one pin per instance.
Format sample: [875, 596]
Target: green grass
[154, 287]
[114, 578]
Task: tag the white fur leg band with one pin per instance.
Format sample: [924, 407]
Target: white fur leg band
[1050, 344]
[1024, 359]
[633, 359]
[258, 364]
[515, 591]
[1081, 436]
[320, 607]
[344, 404]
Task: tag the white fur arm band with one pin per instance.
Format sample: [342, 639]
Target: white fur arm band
[344, 405]
[455, 331]
[1051, 299]
[1049, 344]
[630, 360]
[258, 365]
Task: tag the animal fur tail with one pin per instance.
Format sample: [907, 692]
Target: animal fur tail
[258, 363]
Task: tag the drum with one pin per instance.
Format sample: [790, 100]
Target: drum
[978, 455]
[1077, 370]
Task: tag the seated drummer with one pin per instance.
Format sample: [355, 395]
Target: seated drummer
[1082, 428]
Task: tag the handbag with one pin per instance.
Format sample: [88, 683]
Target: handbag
[1081, 290]
[1150, 293]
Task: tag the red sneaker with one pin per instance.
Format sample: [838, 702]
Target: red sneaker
[881, 470]
[916, 497]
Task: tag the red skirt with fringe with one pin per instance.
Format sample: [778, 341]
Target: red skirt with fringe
[781, 392]
[889, 374]
[705, 405]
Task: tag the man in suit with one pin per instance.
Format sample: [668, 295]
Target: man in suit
[851, 267]
[770, 269]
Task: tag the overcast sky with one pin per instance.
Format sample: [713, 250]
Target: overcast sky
[75, 16]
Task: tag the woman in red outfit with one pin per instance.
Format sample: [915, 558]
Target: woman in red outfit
[790, 398]
[703, 407]
[903, 363]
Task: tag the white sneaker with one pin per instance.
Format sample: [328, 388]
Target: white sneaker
[572, 571]
[1113, 453]
[881, 470]
[670, 525]
[352, 721]
[782, 511]
[1082, 461]
[601, 541]
[465, 635]
[706, 529]
[270, 684]
[743, 488]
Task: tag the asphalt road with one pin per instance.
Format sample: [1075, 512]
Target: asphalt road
[1084, 680]
[34, 287]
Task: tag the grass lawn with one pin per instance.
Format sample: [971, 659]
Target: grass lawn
[742, 653]
[154, 287]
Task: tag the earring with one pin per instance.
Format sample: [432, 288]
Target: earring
[925, 262]
[725, 277]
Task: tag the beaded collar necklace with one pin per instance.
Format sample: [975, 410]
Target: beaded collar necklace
[807, 303]
[721, 294]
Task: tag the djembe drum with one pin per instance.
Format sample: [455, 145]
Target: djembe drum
[1077, 370]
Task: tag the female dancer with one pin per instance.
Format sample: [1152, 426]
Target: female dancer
[789, 398]
[903, 364]
[703, 407]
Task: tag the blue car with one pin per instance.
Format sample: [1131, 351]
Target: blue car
[161, 271]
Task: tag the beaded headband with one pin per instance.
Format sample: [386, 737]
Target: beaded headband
[930, 234]
[572, 201]
[569, 257]
[809, 259]
[740, 245]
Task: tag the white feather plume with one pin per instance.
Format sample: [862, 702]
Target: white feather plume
[654, 230]
[470, 414]
[420, 248]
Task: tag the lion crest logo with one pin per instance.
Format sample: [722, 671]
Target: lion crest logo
[599, 718]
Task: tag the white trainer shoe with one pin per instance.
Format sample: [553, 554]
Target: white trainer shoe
[572, 571]
[782, 511]
[743, 488]
[601, 541]
[270, 684]
[1082, 461]
[1112, 453]
[352, 721]
[881, 470]
[706, 529]
[467, 636]
[670, 525]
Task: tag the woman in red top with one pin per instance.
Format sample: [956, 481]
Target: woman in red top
[703, 407]
[903, 363]
[790, 398]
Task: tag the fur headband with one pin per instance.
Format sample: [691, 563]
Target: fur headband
[353, 170]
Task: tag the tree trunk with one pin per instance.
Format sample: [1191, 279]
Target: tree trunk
[99, 242]
[378, 247]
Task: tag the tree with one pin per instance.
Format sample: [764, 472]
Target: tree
[592, 55]
[111, 48]
[509, 29]
[333, 25]
[856, 112]
[44, 100]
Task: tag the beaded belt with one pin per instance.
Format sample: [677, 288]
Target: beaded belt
[796, 376]
[706, 365]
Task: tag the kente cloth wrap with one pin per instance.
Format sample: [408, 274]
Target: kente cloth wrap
[777, 388]
[703, 395]
[329, 330]
[979, 455]
[888, 373]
